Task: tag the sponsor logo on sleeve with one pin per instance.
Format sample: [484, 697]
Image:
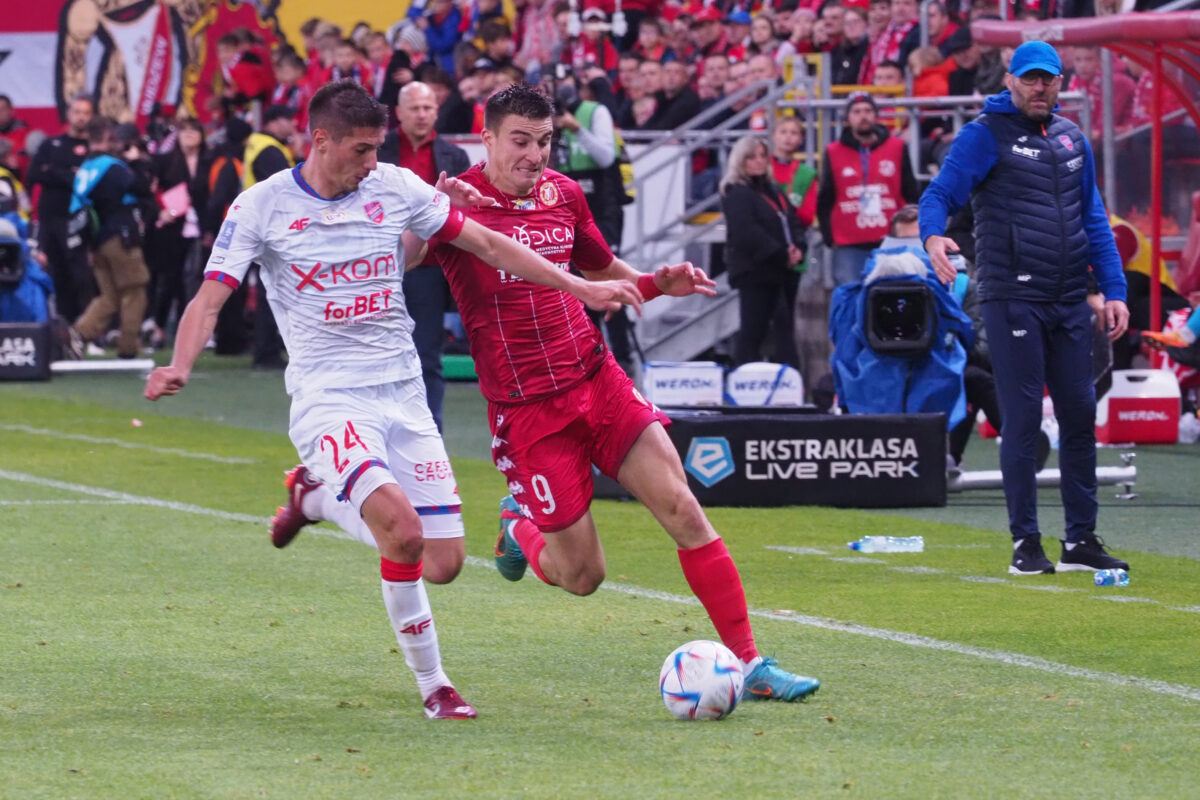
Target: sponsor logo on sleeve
[225, 237]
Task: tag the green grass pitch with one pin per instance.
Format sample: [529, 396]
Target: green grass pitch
[154, 645]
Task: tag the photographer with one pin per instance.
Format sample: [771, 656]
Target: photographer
[585, 150]
[109, 193]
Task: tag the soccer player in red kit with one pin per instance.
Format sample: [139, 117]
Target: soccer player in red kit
[557, 400]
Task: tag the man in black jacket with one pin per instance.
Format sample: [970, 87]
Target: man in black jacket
[54, 168]
[416, 146]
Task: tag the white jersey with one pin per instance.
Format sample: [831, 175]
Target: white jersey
[332, 269]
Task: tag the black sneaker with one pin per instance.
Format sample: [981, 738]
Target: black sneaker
[1029, 558]
[1088, 555]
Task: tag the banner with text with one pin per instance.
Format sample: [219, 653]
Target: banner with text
[775, 459]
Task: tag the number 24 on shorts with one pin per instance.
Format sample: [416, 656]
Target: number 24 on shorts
[350, 440]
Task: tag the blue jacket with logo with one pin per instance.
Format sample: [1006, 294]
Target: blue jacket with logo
[1039, 219]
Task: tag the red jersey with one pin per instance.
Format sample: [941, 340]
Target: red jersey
[528, 341]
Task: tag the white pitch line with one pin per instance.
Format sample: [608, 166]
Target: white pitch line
[133, 499]
[929, 643]
[898, 637]
[65, 503]
[170, 451]
[798, 551]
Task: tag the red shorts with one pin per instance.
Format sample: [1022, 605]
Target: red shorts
[546, 448]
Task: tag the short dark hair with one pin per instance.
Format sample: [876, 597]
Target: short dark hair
[98, 128]
[522, 100]
[292, 60]
[890, 63]
[5, 98]
[905, 216]
[341, 106]
[494, 29]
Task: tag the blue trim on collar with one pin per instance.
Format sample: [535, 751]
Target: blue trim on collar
[303, 184]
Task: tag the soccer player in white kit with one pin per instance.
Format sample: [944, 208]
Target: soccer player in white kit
[327, 235]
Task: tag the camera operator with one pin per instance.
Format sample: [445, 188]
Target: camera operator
[113, 190]
[585, 150]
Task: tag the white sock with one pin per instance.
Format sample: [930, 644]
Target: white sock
[322, 505]
[408, 609]
[748, 666]
[1188, 335]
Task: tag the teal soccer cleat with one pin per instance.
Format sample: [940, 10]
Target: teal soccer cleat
[768, 682]
[510, 561]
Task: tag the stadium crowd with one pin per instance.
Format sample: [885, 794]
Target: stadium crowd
[647, 66]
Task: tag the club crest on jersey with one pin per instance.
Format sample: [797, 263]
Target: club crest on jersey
[548, 194]
[374, 211]
[1066, 142]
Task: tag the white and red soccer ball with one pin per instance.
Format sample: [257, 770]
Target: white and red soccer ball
[701, 680]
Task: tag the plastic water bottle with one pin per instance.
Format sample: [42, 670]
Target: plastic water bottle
[889, 544]
[1111, 577]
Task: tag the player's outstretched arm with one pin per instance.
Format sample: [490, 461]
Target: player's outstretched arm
[676, 280]
[195, 327]
[503, 253]
[463, 194]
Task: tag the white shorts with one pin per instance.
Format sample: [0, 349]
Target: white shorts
[356, 440]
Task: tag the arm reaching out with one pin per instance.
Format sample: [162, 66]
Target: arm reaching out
[503, 253]
[463, 194]
[676, 280]
[195, 327]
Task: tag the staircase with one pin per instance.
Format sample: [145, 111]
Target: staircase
[681, 328]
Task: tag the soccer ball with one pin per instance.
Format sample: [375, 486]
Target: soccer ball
[701, 680]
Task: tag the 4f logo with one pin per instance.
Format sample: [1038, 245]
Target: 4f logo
[298, 225]
[417, 628]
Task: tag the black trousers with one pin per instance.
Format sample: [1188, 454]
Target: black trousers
[980, 386]
[767, 309]
[68, 266]
[427, 296]
[267, 344]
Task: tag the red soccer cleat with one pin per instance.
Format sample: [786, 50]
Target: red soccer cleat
[447, 703]
[289, 519]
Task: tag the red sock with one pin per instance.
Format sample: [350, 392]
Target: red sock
[532, 543]
[714, 579]
[398, 572]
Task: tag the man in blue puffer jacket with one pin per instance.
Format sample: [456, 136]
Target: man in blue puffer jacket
[1039, 225]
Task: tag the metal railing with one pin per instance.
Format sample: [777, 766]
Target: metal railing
[765, 96]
